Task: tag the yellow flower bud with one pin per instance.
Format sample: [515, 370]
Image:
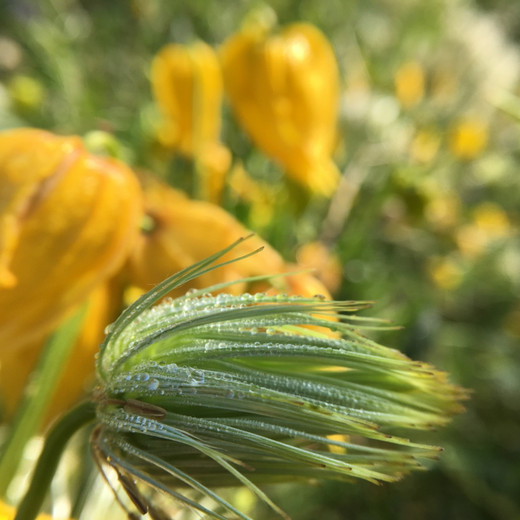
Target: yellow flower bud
[67, 222]
[284, 90]
[187, 84]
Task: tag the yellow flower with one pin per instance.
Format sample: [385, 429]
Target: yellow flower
[315, 255]
[67, 222]
[489, 224]
[185, 231]
[442, 209]
[445, 272]
[425, 146]
[8, 513]
[409, 84]
[284, 90]
[469, 138]
[103, 306]
[187, 84]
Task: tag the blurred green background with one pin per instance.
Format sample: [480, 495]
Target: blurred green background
[429, 145]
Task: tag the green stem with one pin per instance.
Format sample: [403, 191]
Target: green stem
[53, 447]
[38, 393]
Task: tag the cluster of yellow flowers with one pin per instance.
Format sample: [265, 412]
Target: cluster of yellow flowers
[78, 229]
[72, 232]
[284, 91]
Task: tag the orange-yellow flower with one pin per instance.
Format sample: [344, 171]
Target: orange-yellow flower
[469, 138]
[409, 83]
[102, 307]
[185, 231]
[489, 225]
[67, 221]
[187, 84]
[284, 90]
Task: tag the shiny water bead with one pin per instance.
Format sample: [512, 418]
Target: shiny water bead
[153, 384]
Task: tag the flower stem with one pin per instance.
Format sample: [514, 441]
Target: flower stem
[53, 447]
[39, 392]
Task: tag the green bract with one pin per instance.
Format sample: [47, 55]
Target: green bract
[216, 390]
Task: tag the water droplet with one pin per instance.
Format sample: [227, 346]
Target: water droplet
[198, 376]
[153, 385]
[172, 368]
[230, 394]
[109, 328]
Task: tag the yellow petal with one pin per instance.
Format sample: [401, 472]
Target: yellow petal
[186, 231]
[104, 304]
[187, 84]
[71, 219]
[326, 265]
[8, 513]
[284, 90]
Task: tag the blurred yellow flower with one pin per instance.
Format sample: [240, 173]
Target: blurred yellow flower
[425, 146]
[445, 272]
[185, 231]
[67, 221]
[70, 234]
[103, 306]
[187, 84]
[284, 90]
[8, 513]
[489, 223]
[442, 209]
[326, 266]
[469, 138]
[409, 83]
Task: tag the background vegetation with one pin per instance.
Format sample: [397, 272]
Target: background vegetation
[425, 222]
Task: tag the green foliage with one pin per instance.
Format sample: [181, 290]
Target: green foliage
[402, 242]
